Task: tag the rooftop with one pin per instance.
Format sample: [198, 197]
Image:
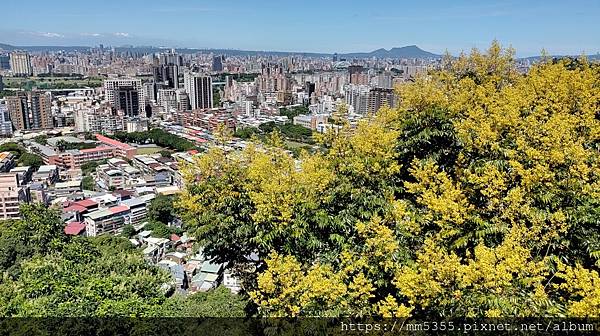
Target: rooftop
[74, 228]
[113, 142]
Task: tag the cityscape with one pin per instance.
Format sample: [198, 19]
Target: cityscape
[161, 177]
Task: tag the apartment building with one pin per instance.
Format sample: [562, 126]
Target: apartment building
[12, 194]
[110, 220]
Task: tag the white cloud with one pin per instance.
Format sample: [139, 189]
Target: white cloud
[47, 34]
[90, 34]
[121, 34]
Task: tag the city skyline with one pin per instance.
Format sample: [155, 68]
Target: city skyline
[563, 28]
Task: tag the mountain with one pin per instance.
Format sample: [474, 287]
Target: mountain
[402, 52]
[411, 51]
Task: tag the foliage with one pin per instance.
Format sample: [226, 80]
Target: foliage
[88, 167]
[22, 157]
[290, 131]
[128, 231]
[50, 274]
[88, 183]
[246, 132]
[161, 230]
[156, 136]
[41, 139]
[292, 112]
[32, 160]
[218, 302]
[12, 147]
[161, 209]
[478, 196]
[62, 145]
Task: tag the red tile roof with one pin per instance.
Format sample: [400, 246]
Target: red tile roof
[74, 228]
[88, 203]
[96, 149]
[119, 208]
[75, 208]
[112, 142]
[175, 237]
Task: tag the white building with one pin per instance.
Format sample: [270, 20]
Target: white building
[20, 63]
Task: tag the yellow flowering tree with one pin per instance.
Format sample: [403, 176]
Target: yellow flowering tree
[477, 196]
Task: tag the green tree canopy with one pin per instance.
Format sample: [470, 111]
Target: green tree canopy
[477, 196]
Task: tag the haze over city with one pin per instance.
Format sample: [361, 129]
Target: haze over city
[559, 27]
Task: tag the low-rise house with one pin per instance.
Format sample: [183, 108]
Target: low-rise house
[138, 209]
[75, 228]
[156, 248]
[7, 161]
[109, 220]
[24, 174]
[177, 273]
[109, 178]
[177, 257]
[47, 174]
[208, 278]
[39, 193]
[231, 282]
[62, 189]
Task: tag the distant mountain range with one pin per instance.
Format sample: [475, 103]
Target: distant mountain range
[411, 51]
[403, 52]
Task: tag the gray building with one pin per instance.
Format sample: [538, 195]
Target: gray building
[199, 90]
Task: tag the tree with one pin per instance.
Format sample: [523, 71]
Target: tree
[161, 230]
[128, 231]
[161, 209]
[32, 160]
[41, 139]
[246, 132]
[88, 183]
[476, 197]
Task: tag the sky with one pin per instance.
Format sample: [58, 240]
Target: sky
[559, 27]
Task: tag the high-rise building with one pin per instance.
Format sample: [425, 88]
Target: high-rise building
[6, 129]
[20, 63]
[167, 75]
[217, 63]
[1, 83]
[41, 110]
[125, 94]
[380, 97]
[4, 62]
[18, 110]
[32, 110]
[127, 100]
[199, 90]
[357, 98]
[170, 58]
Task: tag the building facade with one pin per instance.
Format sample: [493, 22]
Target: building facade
[125, 94]
[199, 90]
[20, 63]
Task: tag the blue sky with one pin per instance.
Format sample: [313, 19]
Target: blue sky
[561, 27]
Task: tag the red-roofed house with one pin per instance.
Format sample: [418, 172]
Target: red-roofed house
[118, 209]
[88, 203]
[74, 228]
